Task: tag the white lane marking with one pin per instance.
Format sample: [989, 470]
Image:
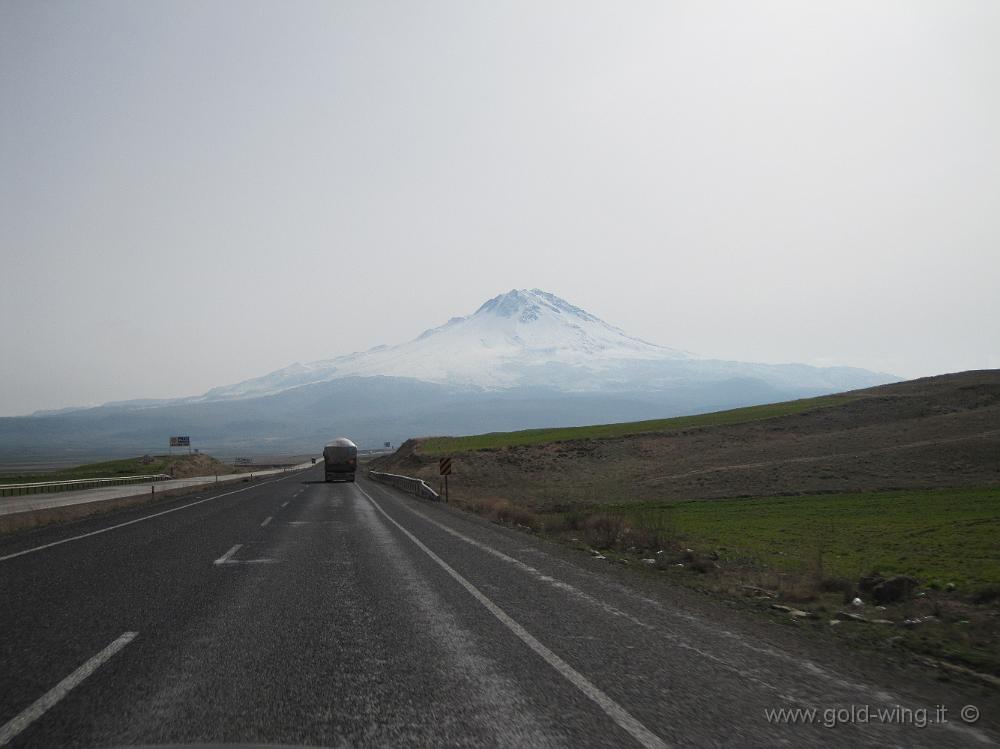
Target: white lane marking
[534, 572]
[284, 504]
[34, 711]
[227, 558]
[137, 520]
[574, 591]
[224, 559]
[815, 670]
[266, 521]
[615, 711]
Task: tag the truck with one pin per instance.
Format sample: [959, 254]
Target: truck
[340, 459]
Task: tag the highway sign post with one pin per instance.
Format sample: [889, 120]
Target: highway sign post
[444, 468]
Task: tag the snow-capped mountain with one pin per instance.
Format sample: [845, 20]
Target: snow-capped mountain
[523, 360]
[530, 338]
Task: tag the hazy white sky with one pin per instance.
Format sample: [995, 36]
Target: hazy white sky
[192, 194]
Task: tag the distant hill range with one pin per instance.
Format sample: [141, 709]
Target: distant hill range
[524, 359]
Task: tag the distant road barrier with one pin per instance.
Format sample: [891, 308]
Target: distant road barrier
[47, 487]
[406, 483]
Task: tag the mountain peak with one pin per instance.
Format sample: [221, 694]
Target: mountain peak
[528, 305]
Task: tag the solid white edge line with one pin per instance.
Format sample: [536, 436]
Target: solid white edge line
[266, 521]
[34, 711]
[524, 567]
[225, 557]
[137, 520]
[611, 708]
[952, 725]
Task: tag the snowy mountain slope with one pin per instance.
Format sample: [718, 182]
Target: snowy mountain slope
[530, 338]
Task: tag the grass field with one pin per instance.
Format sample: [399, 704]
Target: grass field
[938, 536]
[106, 469]
[447, 445]
[811, 551]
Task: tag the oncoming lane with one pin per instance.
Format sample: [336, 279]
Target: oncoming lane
[69, 590]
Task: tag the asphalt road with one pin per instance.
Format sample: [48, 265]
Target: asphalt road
[298, 612]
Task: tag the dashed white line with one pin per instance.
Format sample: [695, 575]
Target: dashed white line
[266, 521]
[137, 520]
[34, 711]
[228, 555]
[227, 558]
[284, 504]
[611, 708]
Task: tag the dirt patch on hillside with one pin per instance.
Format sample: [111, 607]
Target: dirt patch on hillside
[190, 466]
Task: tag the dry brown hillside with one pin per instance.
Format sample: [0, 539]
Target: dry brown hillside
[933, 432]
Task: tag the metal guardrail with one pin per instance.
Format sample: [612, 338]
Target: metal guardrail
[406, 483]
[47, 487]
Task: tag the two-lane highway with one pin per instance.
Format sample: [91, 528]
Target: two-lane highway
[298, 612]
